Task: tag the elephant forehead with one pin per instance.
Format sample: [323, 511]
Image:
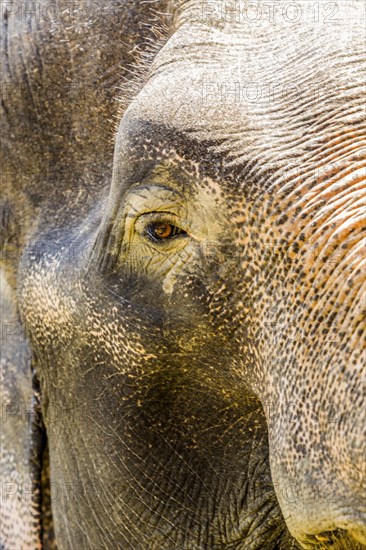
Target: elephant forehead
[201, 82]
[251, 88]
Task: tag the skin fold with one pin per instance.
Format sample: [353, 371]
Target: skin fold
[182, 235]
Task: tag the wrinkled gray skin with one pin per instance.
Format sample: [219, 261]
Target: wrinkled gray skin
[202, 391]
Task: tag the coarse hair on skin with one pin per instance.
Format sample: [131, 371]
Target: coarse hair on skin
[159, 30]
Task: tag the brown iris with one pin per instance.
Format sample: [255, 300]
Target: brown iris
[160, 231]
[163, 230]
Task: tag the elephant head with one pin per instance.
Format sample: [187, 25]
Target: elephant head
[192, 288]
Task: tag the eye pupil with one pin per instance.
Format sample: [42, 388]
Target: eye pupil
[163, 230]
[160, 230]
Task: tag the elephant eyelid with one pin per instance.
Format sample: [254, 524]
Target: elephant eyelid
[161, 227]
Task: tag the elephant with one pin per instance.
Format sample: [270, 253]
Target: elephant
[183, 330]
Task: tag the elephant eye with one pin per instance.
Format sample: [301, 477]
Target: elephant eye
[160, 231]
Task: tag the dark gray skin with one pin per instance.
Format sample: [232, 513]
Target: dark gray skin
[202, 390]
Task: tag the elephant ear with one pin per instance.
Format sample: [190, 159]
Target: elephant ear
[61, 70]
[22, 437]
